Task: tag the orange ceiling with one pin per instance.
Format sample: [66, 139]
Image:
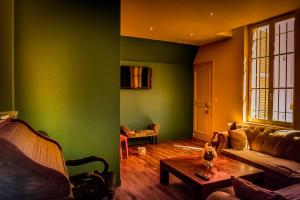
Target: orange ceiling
[190, 22]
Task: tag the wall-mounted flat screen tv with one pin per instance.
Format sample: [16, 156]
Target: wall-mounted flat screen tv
[136, 77]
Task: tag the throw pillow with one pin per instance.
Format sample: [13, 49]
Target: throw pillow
[238, 139]
[248, 191]
[126, 131]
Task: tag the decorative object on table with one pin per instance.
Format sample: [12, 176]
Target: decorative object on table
[209, 155]
[141, 151]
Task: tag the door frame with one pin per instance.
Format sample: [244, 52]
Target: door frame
[211, 100]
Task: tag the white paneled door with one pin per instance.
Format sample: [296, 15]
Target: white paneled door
[203, 107]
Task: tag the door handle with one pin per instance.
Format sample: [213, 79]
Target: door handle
[206, 109]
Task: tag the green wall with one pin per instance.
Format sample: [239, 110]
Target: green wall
[169, 101]
[67, 73]
[6, 55]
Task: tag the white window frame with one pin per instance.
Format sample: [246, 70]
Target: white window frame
[271, 23]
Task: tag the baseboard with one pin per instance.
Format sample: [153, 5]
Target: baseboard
[202, 137]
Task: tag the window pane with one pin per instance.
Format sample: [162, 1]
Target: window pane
[275, 100]
[276, 45]
[263, 47]
[275, 116]
[289, 100]
[282, 26]
[283, 43]
[259, 40]
[254, 35]
[290, 70]
[282, 116]
[290, 42]
[263, 104]
[290, 23]
[282, 100]
[275, 72]
[254, 49]
[289, 117]
[282, 81]
[253, 101]
[257, 103]
[276, 28]
[275, 105]
[253, 73]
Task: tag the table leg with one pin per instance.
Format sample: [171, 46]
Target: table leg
[202, 194]
[164, 176]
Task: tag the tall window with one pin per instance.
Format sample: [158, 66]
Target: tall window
[272, 71]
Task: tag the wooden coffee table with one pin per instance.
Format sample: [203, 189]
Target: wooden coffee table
[220, 174]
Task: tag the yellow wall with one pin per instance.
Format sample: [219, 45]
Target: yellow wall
[228, 65]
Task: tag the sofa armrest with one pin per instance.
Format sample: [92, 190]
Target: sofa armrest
[220, 140]
[219, 195]
[89, 159]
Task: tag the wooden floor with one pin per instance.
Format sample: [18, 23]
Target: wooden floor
[140, 174]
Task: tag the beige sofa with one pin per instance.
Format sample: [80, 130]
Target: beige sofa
[272, 149]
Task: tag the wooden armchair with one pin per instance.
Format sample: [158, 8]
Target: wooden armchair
[32, 167]
[92, 185]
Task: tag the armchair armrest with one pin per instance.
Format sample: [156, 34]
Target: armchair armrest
[88, 160]
[220, 140]
[79, 178]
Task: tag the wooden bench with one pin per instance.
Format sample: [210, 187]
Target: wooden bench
[150, 133]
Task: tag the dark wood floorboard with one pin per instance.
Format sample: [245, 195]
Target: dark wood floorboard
[140, 174]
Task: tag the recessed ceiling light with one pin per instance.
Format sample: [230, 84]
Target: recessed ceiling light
[211, 14]
[151, 28]
[192, 34]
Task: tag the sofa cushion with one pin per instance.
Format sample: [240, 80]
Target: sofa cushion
[238, 139]
[279, 143]
[282, 169]
[252, 132]
[248, 191]
[292, 192]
